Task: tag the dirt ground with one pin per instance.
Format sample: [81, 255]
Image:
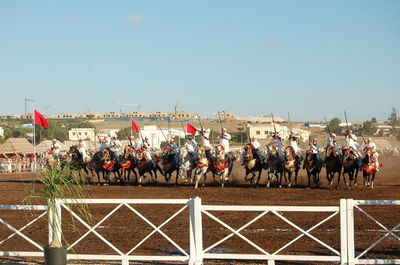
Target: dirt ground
[125, 229]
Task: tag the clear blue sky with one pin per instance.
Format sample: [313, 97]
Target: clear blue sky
[311, 58]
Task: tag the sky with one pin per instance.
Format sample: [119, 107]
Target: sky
[310, 58]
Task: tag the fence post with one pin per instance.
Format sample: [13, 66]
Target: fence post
[56, 222]
[343, 232]
[350, 232]
[196, 232]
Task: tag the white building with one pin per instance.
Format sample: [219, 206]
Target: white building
[108, 132]
[1, 132]
[156, 136]
[82, 133]
[265, 131]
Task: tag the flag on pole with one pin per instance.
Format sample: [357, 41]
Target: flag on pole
[39, 119]
[191, 129]
[135, 127]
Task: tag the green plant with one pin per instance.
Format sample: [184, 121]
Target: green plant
[58, 183]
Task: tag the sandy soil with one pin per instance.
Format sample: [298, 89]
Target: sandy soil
[125, 229]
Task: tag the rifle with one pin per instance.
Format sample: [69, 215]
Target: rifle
[347, 124]
[290, 127]
[273, 122]
[183, 127]
[327, 127]
[201, 126]
[130, 141]
[220, 124]
[365, 142]
[162, 132]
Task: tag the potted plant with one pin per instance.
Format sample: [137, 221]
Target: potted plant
[54, 184]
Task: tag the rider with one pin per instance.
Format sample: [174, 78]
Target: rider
[205, 142]
[56, 149]
[147, 154]
[82, 150]
[174, 150]
[371, 147]
[255, 145]
[276, 139]
[313, 147]
[294, 143]
[105, 143]
[351, 142]
[191, 146]
[115, 146]
[331, 142]
[224, 138]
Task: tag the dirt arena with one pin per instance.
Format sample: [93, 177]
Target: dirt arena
[124, 229]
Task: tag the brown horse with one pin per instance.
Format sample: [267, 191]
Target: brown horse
[128, 164]
[252, 164]
[169, 165]
[202, 167]
[369, 167]
[313, 167]
[146, 165]
[223, 164]
[291, 165]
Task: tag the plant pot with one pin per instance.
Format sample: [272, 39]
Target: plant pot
[55, 255]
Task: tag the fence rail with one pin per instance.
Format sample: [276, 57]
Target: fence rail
[197, 253]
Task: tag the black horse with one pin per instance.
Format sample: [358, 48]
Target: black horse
[333, 165]
[273, 165]
[351, 165]
[104, 163]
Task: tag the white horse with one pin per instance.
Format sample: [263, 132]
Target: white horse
[187, 163]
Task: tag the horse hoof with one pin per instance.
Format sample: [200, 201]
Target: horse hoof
[280, 186]
[289, 185]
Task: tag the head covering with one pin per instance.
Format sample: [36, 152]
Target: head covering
[333, 135]
[224, 129]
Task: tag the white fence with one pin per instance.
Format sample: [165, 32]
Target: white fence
[197, 253]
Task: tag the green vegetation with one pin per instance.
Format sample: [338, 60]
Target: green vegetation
[333, 126]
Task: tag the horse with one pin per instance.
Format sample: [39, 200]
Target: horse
[169, 165]
[101, 163]
[350, 165]
[187, 163]
[252, 164]
[369, 167]
[273, 164]
[223, 164]
[146, 166]
[291, 165]
[202, 167]
[333, 165]
[76, 162]
[313, 167]
[128, 164]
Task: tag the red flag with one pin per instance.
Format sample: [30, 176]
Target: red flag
[39, 119]
[135, 127]
[191, 129]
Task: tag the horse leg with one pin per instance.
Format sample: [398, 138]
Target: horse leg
[288, 179]
[268, 179]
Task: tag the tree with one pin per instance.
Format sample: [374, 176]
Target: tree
[125, 133]
[55, 130]
[334, 126]
[393, 117]
[374, 120]
[368, 128]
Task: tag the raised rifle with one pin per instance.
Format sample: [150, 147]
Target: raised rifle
[201, 126]
[162, 132]
[327, 126]
[220, 124]
[347, 124]
[184, 131]
[273, 122]
[290, 127]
